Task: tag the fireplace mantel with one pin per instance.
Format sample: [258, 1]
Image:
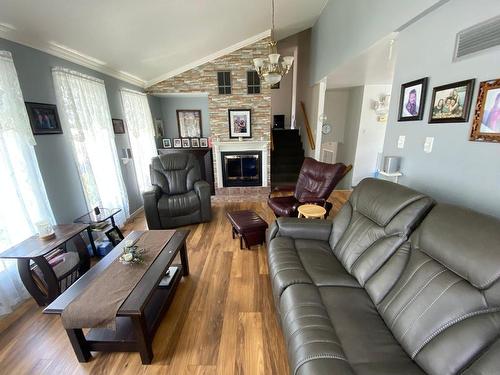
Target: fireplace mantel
[219, 147]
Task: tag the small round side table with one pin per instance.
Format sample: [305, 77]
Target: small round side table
[312, 211]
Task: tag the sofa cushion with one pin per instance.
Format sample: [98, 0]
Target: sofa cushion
[368, 345]
[179, 204]
[285, 267]
[321, 265]
[284, 206]
[308, 331]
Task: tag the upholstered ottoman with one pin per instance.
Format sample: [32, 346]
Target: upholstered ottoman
[249, 226]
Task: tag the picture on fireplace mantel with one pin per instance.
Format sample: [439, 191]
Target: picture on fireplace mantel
[189, 123]
[240, 123]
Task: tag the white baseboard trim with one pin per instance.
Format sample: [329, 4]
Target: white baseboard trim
[136, 213]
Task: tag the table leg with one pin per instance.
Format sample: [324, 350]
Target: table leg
[79, 344]
[42, 299]
[118, 231]
[91, 240]
[143, 340]
[184, 260]
[300, 215]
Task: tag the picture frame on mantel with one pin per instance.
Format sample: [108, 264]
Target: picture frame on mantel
[240, 123]
[189, 123]
[486, 122]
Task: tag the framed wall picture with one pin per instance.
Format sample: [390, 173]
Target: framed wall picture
[189, 123]
[186, 143]
[44, 118]
[451, 102]
[486, 122]
[412, 100]
[118, 126]
[177, 143]
[158, 128]
[195, 142]
[167, 143]
[240, 124]
[204, 142]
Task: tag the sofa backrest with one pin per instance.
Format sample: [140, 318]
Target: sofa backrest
[440, 292]
[175, 173]
[378, 217]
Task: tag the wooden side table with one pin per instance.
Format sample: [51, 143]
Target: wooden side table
[34, 249]
[312, 211]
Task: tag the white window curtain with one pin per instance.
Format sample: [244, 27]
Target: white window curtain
[141, 134]
[23, 199]
[86, 120]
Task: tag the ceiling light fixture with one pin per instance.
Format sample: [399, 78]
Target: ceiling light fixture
[272, 69]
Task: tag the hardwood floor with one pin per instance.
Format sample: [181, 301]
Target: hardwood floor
[222, 319]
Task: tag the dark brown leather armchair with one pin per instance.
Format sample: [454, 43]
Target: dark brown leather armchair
[315, 184]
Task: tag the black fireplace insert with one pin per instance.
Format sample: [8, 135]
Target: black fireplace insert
[242, 168]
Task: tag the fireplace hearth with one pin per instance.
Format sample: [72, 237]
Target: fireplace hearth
[241, 168]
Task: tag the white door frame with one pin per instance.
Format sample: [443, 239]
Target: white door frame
[321, 108]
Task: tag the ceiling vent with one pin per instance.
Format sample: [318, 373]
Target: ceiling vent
[478, 38]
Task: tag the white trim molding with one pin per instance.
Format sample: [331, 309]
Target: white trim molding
[240, 146]
[210, 57]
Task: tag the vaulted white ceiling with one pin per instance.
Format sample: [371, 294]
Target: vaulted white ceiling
[144, 41]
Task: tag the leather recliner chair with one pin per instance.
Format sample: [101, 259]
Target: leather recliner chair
[179, 196]
[315, 184]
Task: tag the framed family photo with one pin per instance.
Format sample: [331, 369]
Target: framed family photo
[44, 118]
[204, 142]
[167, 143]
[195, 142]
[240, 123]
[186, 143]
[118, 126]
[189, 123]
[177, 143]
[486, 122]
[451, 102]
[412, 100]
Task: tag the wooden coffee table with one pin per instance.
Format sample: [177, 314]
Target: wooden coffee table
[140, 314]
[311, 211]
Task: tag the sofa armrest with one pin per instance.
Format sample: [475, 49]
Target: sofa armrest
[307, 229]
[202, 189]
[151, 198]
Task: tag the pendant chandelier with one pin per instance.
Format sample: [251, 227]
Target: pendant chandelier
[272, 69]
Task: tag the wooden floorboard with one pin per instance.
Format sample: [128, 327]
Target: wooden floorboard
[222, 319]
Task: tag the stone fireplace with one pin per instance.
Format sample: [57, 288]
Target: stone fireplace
[203, 79]
[245, 149]
[241, 168]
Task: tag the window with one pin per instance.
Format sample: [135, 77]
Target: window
[22, 193]
[253, 82]
[224, 82]
[141, 134]
[85, 116]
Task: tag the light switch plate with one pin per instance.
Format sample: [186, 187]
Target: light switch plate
[401, 141]
[429, 141]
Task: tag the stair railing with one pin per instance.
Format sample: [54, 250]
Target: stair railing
[310, 137]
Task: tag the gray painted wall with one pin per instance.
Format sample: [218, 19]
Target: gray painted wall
[347, 149]
[54, 154]
[169, 106]
[336, 103]
[347, 28]
[457, 170]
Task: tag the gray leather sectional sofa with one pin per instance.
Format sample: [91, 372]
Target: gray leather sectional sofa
[396, 284]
